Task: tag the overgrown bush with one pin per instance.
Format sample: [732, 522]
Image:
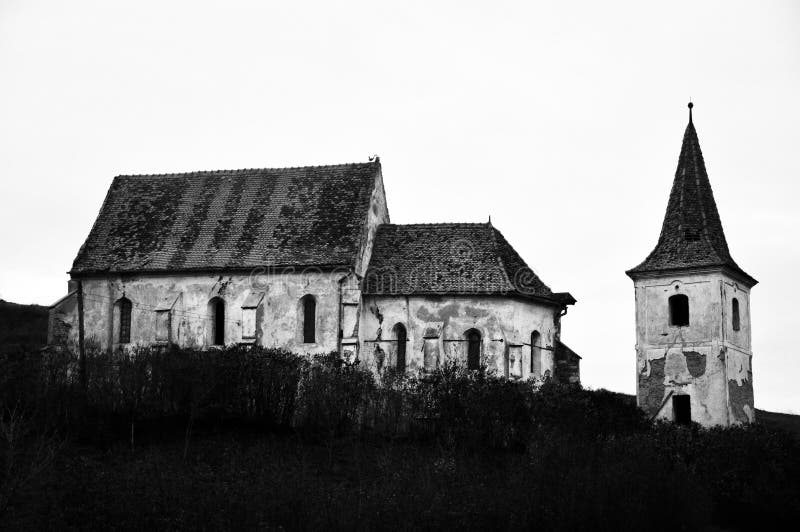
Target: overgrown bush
[451, 447]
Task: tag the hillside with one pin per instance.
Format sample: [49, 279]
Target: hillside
[23, 325]
[779, 420]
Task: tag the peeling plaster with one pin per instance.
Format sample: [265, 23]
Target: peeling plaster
[738, 366]
[704, 360]
[651, 386]
[443, 313]
[741, 396]
[476, 312]
[380, 357]
[695, 362]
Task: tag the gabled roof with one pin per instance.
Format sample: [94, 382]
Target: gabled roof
[206, 221]
[449, 258]
[691, 235]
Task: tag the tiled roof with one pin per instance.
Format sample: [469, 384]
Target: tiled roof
[692, 235]
[448, 258]
[304, 216]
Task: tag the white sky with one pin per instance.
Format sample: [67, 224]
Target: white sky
[563, 120]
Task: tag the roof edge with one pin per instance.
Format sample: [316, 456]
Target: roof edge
[235, 269]
[736, 273]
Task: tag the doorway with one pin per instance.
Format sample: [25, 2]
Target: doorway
[682, 409]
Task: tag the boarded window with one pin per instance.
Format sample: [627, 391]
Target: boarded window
[473, 349]
[679, 310]
[735, 314]
[248, 323]
[216, 308]
[309, 305]
[682, 409]
[402, 338]
[163, 325]
[536, 354]
[249, 315]
[431, 337]
[125, 308]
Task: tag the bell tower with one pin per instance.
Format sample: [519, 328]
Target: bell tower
[693, 352]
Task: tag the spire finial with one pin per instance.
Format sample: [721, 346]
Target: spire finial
[690, 110]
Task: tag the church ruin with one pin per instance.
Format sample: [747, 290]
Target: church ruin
[306, 259]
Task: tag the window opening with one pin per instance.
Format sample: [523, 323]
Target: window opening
[679, 310]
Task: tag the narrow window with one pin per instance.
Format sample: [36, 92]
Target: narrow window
[125, 308]
[309, 319]
[217, 315]
[679, 310]
[681, 409]
[400, 335]
[473, 349]
[536, 353]
[735, 314]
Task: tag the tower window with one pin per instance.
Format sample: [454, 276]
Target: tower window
[681, 409]
[309, 309]
[691, 235]
[679, 310]
[735, 314]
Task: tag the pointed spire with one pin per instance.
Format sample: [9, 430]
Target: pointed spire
[692, 234]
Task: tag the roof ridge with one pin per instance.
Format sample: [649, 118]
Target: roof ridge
[248, 170]
[434, 224]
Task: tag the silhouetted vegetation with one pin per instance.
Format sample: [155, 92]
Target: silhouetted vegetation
[22, 326]
[256, 438]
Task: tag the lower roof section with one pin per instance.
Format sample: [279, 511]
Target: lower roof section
[451, 258]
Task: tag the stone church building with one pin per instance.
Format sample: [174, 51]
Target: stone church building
[693, 309]
[306, 259]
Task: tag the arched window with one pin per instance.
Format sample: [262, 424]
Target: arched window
[216, 311]
[536, 354]
[735, 314]
[473, 349]
[679, 310]
[309, 309]
[401, 337]
[125, 307]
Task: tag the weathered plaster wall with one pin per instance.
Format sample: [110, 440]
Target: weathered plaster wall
[436, 328]
[706, 360]
[279, 322]
[62, 324]
[378, 214]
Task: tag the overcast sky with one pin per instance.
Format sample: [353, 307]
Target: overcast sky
[561, 120]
